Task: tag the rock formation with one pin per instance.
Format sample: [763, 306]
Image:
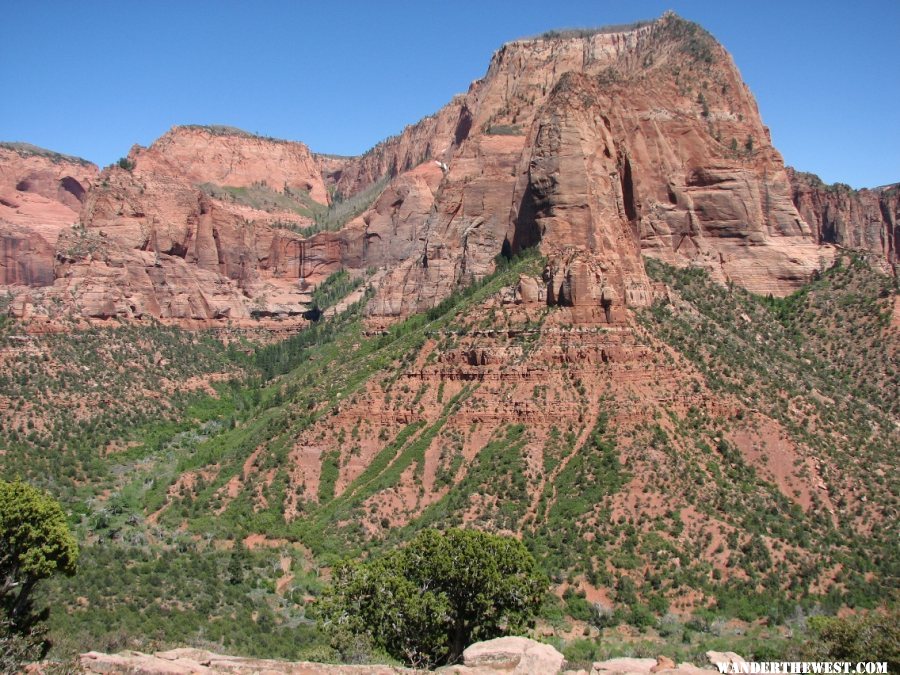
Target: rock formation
[172, 233]
[229, 156]
[601, 147]
[506, 655]
[597, 146]
[860, 219]
[41, 193]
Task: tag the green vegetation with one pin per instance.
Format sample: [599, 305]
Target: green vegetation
[178, 587]
[872, 637]
[570, 33]
[326, 218]
[343, 209]
[109, 381]
[504, 130]
[815, 181]
[35, 544]
[695, 41]
[592, 474]
[226, 130]
[147, 588]
[821, 364]
[264, 198]
[334, 289]
[423, 604]
[163, 496]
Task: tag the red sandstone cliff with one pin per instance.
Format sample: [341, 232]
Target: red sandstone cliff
[598, 146]
[40, 194]
[862, 219]
[187, 230]
[228, 156]
[429, 138]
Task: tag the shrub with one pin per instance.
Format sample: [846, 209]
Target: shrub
[873, 637]
[425, 603]
[35, 543]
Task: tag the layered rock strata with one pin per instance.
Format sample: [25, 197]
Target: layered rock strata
[860, 219]
[41, 193]
[603, 147]
[597, 146]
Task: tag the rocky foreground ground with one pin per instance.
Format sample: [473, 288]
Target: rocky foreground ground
[508, 655]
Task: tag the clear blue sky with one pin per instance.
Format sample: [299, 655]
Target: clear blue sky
[91, 78]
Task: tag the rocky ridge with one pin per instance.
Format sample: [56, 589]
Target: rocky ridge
[598, 146]
[186, 230]
[858, 219]
[645, 137]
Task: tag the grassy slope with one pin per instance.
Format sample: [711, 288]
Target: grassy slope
[823, 363]
[189, 598]
[824, 354]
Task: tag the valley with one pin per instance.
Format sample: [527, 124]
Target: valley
[584, 305]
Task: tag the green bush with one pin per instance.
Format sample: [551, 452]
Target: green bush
[873, 637]
[425, 603]
[35, 543]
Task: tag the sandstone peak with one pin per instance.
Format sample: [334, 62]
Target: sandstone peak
[228, 156]
[600, 146]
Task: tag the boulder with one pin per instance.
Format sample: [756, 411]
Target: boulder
[517, 655]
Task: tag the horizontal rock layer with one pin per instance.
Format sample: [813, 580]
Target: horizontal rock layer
[598, 147]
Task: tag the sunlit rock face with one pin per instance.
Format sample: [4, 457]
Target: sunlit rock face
[599, 147]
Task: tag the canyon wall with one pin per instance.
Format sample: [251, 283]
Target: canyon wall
[859, 219]
[600, 147]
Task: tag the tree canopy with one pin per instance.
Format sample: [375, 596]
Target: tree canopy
[423, 604]
[35, 543]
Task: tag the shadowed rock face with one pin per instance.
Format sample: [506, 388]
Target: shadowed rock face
[26, 259]
[863, 219]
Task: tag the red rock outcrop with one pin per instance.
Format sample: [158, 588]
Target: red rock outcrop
[228, 156]
[429, 138]
[148, 242]
[861, 219]
[609, 145]
[510, 655]
[390, 231]
[26, 258]
[40, 194]
[598, 146]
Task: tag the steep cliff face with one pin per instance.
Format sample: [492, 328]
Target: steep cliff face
[570, 200]
[599, 147]
[429, 138]
[838, 214]
[40, 194]
[189, 230]
[602, 147]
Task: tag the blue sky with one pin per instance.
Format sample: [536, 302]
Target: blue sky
[91, 78]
